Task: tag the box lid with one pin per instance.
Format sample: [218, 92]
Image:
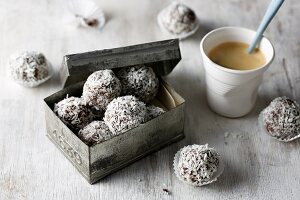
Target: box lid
[162, 56]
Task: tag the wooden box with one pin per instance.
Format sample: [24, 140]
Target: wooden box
[98, 161]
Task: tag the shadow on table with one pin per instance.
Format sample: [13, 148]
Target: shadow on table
[203, 29]
[231, 178]
[54, 82]
[261, 103]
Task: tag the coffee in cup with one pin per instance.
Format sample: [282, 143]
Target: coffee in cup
[234, 55]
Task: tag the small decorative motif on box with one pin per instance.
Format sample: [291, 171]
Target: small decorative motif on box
[66, 147]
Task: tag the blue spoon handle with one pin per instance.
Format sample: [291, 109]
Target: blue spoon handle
[271, 12]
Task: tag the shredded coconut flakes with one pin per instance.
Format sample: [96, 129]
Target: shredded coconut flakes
[198, 164]
[140, 81]
[30, 68]
[178, 18]
[124, 113]
[100, 88]
[153, 112]
[73, 112]
[95, 133]
[282, 118]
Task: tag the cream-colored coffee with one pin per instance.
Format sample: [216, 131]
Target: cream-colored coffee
[234, 55]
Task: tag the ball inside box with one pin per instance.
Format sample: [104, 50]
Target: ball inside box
[104, 158]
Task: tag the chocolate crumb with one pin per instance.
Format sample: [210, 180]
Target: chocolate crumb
[166, 191]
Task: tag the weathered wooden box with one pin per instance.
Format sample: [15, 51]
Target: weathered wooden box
[98, 161]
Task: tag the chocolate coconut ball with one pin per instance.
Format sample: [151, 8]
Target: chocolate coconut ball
[177, 18]
[30, 68]
[139, 81]
[153, 112]
[73, 112]
[124, 113]
[197, 164]
[101, 88]
[95, 133]
[281, 119]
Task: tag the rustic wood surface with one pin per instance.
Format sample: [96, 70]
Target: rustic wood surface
[257, 166]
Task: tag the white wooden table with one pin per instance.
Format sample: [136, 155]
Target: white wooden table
[257, 166]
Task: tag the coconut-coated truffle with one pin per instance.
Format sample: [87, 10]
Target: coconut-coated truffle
[124, 113]
[281, 119]
[153, 112]
[30, 68]
[95, 133]
[100, 88]
[177, 18]
[139, 81]
[73, 112]
[197, 165]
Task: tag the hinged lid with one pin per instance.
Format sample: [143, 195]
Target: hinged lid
[162, 56]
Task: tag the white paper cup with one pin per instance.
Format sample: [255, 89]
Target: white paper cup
[232, 93]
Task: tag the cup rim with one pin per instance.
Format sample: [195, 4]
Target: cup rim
[234, 70]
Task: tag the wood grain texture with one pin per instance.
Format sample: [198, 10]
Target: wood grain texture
[257, 166]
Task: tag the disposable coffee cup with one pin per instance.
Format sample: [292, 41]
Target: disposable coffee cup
[232, 93]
